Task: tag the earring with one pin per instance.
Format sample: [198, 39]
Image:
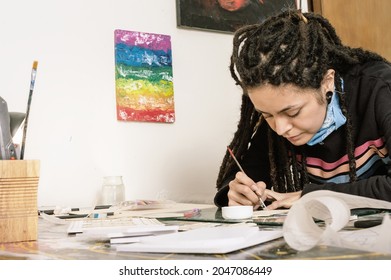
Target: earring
[329, 95]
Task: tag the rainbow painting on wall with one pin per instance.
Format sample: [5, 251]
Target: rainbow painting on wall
[143, 77]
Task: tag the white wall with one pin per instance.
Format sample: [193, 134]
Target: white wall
[73, 129]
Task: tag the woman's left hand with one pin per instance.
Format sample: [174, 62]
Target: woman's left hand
[281, 200]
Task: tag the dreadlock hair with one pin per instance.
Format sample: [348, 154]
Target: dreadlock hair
[290, 48]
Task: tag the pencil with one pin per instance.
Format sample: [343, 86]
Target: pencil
[241, 169]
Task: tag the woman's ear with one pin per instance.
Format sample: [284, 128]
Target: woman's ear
[327, 83]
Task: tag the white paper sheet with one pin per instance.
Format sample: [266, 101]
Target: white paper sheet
[210, 240]
[302, 233]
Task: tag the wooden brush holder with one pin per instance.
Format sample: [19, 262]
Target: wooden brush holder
[18, 200]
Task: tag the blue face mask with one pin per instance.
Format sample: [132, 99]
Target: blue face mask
[334, 119]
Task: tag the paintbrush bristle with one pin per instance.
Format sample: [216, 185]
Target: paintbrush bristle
[35, 65]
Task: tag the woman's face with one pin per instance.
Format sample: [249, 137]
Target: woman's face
[292, 112]
[233, 5]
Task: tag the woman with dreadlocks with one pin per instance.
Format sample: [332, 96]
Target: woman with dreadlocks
[315, 115]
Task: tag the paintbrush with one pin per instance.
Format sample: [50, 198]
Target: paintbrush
[32, 83]
[241, 169]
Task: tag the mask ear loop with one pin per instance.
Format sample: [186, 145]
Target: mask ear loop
[329, 94]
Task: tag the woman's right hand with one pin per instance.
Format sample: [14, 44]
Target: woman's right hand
[244, 191]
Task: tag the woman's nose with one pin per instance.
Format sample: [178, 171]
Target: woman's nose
[282, 126]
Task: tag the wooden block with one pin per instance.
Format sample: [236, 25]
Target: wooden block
[18, 200]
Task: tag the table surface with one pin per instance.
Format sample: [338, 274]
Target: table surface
[54, 243]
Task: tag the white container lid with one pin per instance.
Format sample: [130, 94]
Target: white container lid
[237, 212]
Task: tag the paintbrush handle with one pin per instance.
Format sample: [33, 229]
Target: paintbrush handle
[32, 83]
[25, 125]
[241, 169]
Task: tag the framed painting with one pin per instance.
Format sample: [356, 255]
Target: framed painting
[143, 77]
[227, 15]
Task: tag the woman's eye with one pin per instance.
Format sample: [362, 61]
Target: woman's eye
[294, 114]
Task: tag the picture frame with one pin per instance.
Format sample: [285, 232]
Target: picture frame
[227, 16]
